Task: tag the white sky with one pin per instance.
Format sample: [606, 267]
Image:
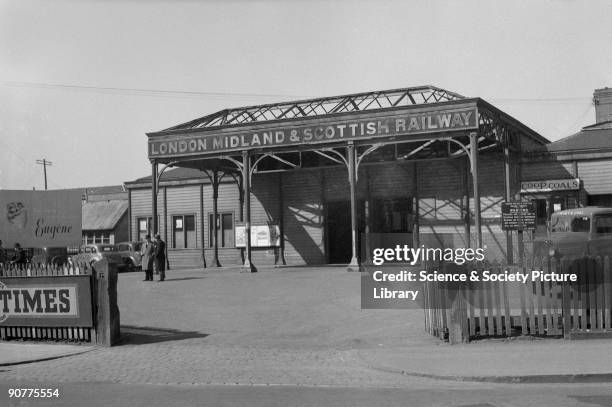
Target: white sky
[537, 60]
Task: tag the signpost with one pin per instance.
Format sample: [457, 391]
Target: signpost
[518, 216]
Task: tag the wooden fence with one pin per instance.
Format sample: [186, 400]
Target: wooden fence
[469, 310]
[76, 334]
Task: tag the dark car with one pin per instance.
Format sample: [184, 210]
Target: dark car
[50, 255]
[130, 254]
[578, 232]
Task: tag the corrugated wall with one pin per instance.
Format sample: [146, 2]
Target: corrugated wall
[596, 176]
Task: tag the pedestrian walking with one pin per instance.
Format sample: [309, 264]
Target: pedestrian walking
[148, 253]
[160, 257]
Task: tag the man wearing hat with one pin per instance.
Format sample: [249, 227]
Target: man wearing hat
[160, 257]
[148, 252]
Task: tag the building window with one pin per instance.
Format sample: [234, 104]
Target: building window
[98, 238]
[144, 227]
[225, 229]
[183, 232]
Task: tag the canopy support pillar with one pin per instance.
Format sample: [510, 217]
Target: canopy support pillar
[354, 264]
[476, 189]
[246, 182]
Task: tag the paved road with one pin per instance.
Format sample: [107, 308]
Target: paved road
[289, 337]
[284, 327]
[105, 394]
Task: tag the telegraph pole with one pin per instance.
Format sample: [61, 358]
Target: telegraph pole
[44, 162]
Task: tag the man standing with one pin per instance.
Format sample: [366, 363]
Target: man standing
[19, 257]
[160, 257]
[147, 258]
[2, 254]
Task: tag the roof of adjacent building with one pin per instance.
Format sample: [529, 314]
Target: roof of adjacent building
[594, 137]
[103, 215]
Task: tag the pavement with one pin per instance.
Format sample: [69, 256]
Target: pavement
[16, 353]
[291, 327]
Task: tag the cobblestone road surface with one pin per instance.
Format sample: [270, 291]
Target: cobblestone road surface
[288, 326]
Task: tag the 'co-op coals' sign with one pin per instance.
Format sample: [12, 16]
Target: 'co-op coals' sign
[550, 185]
[45, 301]
[399, 123]
[40, 218]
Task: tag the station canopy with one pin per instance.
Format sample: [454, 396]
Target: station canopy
[417, 123]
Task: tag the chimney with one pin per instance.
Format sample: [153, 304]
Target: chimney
[602, 99]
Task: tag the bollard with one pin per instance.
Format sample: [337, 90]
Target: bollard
[106, 314]
[458, 331]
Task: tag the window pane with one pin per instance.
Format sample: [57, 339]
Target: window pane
[179, 238]
[190, 234]
[210, 230]
[189, 222]
[603, 224]
[227, 226]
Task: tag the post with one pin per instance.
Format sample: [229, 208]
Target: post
[201, 225]
[215, 188]
[241, 205]
[281, 219]
[416, 234]
[354, 264]
[368, 218]
[166, 226]
[474, 159]
[246, 182]
[45, 171]
[106, 317]
[466, 187]
[154, 225]
[130, 227]
[509, 248]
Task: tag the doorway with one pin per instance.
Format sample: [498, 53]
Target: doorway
[338, 230]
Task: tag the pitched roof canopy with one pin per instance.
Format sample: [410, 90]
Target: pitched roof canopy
[322, 106]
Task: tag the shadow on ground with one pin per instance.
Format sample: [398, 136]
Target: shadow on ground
[171, 279]
[603, 401]
[140, 335]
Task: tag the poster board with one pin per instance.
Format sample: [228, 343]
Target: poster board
[266, 235]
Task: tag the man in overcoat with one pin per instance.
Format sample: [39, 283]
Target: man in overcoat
[148, 256]
[160, 257]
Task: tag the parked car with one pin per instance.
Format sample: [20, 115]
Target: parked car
[130, 255]
[50, 255]
[578, 232]
[91, 253]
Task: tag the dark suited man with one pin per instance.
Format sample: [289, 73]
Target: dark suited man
[160, 257]
[148, 257]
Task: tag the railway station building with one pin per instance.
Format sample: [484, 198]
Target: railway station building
[300, 182]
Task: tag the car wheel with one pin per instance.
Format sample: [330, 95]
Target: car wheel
[129, 266]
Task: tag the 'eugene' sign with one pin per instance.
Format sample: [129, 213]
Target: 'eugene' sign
[400, 123]
[45, 301]
[40, 218]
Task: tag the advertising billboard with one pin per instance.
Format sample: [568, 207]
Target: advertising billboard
[40, 218]
[45, 301]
